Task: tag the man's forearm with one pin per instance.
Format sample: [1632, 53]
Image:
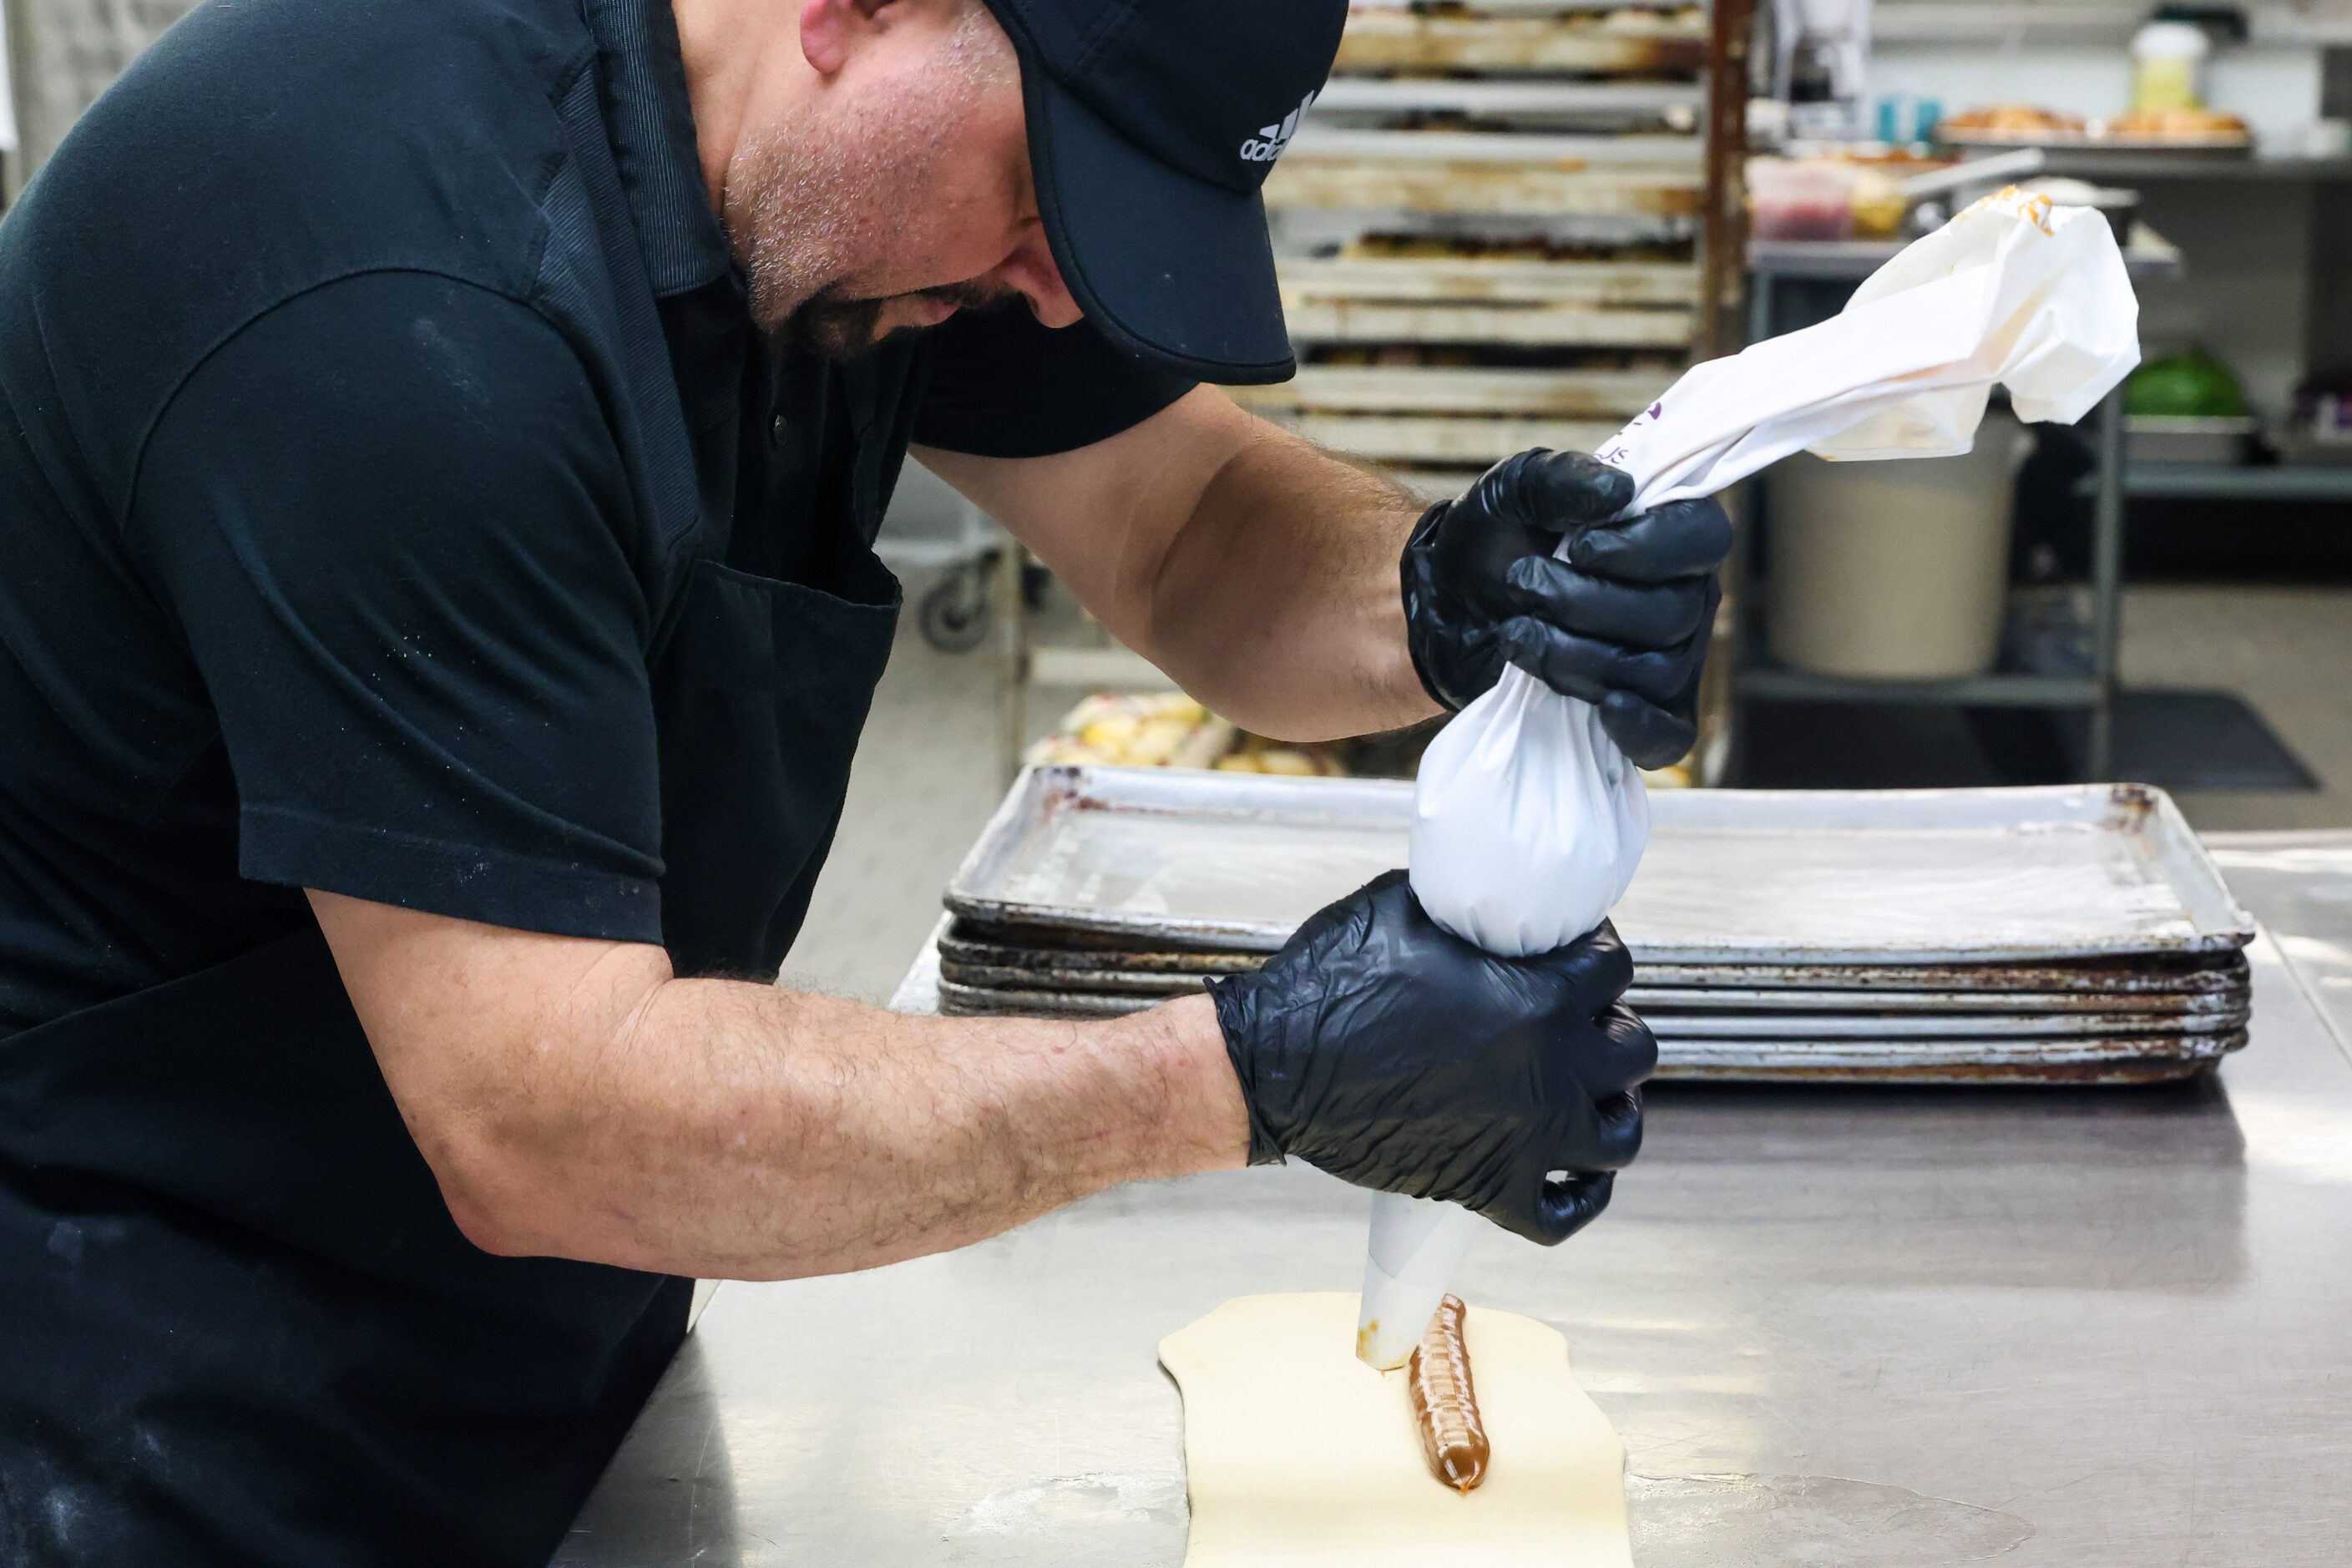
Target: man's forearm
[1278, 605]
[1258, 571]
[574, 1099]
[745, 1132]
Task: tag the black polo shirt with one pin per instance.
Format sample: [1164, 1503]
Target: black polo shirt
[355, 448]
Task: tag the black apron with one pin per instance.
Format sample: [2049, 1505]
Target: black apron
[237, 1324]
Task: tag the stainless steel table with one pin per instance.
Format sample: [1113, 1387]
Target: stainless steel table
[1875, 1330]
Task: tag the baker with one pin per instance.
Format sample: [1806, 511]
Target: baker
[443, 446]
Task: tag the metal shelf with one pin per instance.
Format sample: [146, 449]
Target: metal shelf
[2001, 690]
[1502, 96]
[1564, 326]
[1617, 394]
[1506, 7]
[2126, 165]
[2233, 481]
[1488, 280]
[2024, 25]
[1851, 260]
[2093, 692]
[1568, 151]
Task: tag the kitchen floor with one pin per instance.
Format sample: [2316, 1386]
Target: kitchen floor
[2287, 653]
[928, 774]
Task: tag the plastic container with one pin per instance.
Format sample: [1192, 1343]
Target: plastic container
[2187, 438]
[1800, 201]
[1894, 570]
[2168, 66]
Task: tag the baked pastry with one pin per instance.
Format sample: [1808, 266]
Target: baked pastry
[2179, 125]
[2015, 119]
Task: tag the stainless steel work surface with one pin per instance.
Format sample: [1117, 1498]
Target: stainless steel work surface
[1231, 860]
[1861, 1328]
[2303, 882]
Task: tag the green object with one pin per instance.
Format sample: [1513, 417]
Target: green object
[2193, 386]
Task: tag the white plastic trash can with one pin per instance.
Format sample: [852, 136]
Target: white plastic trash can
[1893, 571]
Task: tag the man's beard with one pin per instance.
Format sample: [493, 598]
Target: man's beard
[805, 207]
[841, 328]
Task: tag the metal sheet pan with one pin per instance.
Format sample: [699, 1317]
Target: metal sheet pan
[2144, 1057]
[1027, 947]
[1064, 982]
[1908, 1027]
[2156, 1059]
[1032, 951]
[2219, 974]
[958, 996]
[1234, 862]
[1937, 1004]
[1669, 999]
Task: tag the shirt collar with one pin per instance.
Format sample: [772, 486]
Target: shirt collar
[650, 121]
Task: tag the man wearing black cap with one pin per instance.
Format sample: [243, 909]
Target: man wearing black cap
[443, 443]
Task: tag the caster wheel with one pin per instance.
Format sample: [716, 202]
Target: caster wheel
[954, 614]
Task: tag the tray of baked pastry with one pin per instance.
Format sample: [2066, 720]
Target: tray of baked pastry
[1595, 36]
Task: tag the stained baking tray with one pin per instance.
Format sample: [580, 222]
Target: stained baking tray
[1674, 999]
[1234, 862]
[959, 997]
[987, 955]
[2145, 1056]
[2116, 1060]
[1938, 1003]
[2196, 973]
[1062, 982]
[1905, 1028]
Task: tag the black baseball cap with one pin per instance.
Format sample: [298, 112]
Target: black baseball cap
[1153, 124]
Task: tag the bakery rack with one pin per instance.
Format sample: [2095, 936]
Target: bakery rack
[1502, 226]
[1507, 226]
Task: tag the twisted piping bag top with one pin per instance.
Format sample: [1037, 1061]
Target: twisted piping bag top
[1528, 823]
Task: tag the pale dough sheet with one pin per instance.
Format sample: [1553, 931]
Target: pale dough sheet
[1296, 1455]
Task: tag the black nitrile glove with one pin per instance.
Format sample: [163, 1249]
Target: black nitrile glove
[1623, 623]
[1383, 1048]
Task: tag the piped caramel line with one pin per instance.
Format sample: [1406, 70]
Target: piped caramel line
[1444, 1405]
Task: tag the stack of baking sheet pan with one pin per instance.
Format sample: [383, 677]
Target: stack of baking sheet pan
[2075, 934]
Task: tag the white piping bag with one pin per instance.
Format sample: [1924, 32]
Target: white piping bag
[1528, 823]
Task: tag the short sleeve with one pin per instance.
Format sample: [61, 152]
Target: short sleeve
[390, 521]
[1003, 385]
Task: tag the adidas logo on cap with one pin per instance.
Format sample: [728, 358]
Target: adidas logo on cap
[1267, 144]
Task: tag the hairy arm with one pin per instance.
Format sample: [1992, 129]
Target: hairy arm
[1258, 570]
[574, 1099]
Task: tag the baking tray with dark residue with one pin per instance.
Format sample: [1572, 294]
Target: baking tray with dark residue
[1012, 947]
[1896, 1030]
[1656, 999]
[1027, 955]
[1090, 981]
[2128, 1057]
[2117, 1059]
[1227, 862]
[2200, 973]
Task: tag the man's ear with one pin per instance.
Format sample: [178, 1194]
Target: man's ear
[831, 30]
